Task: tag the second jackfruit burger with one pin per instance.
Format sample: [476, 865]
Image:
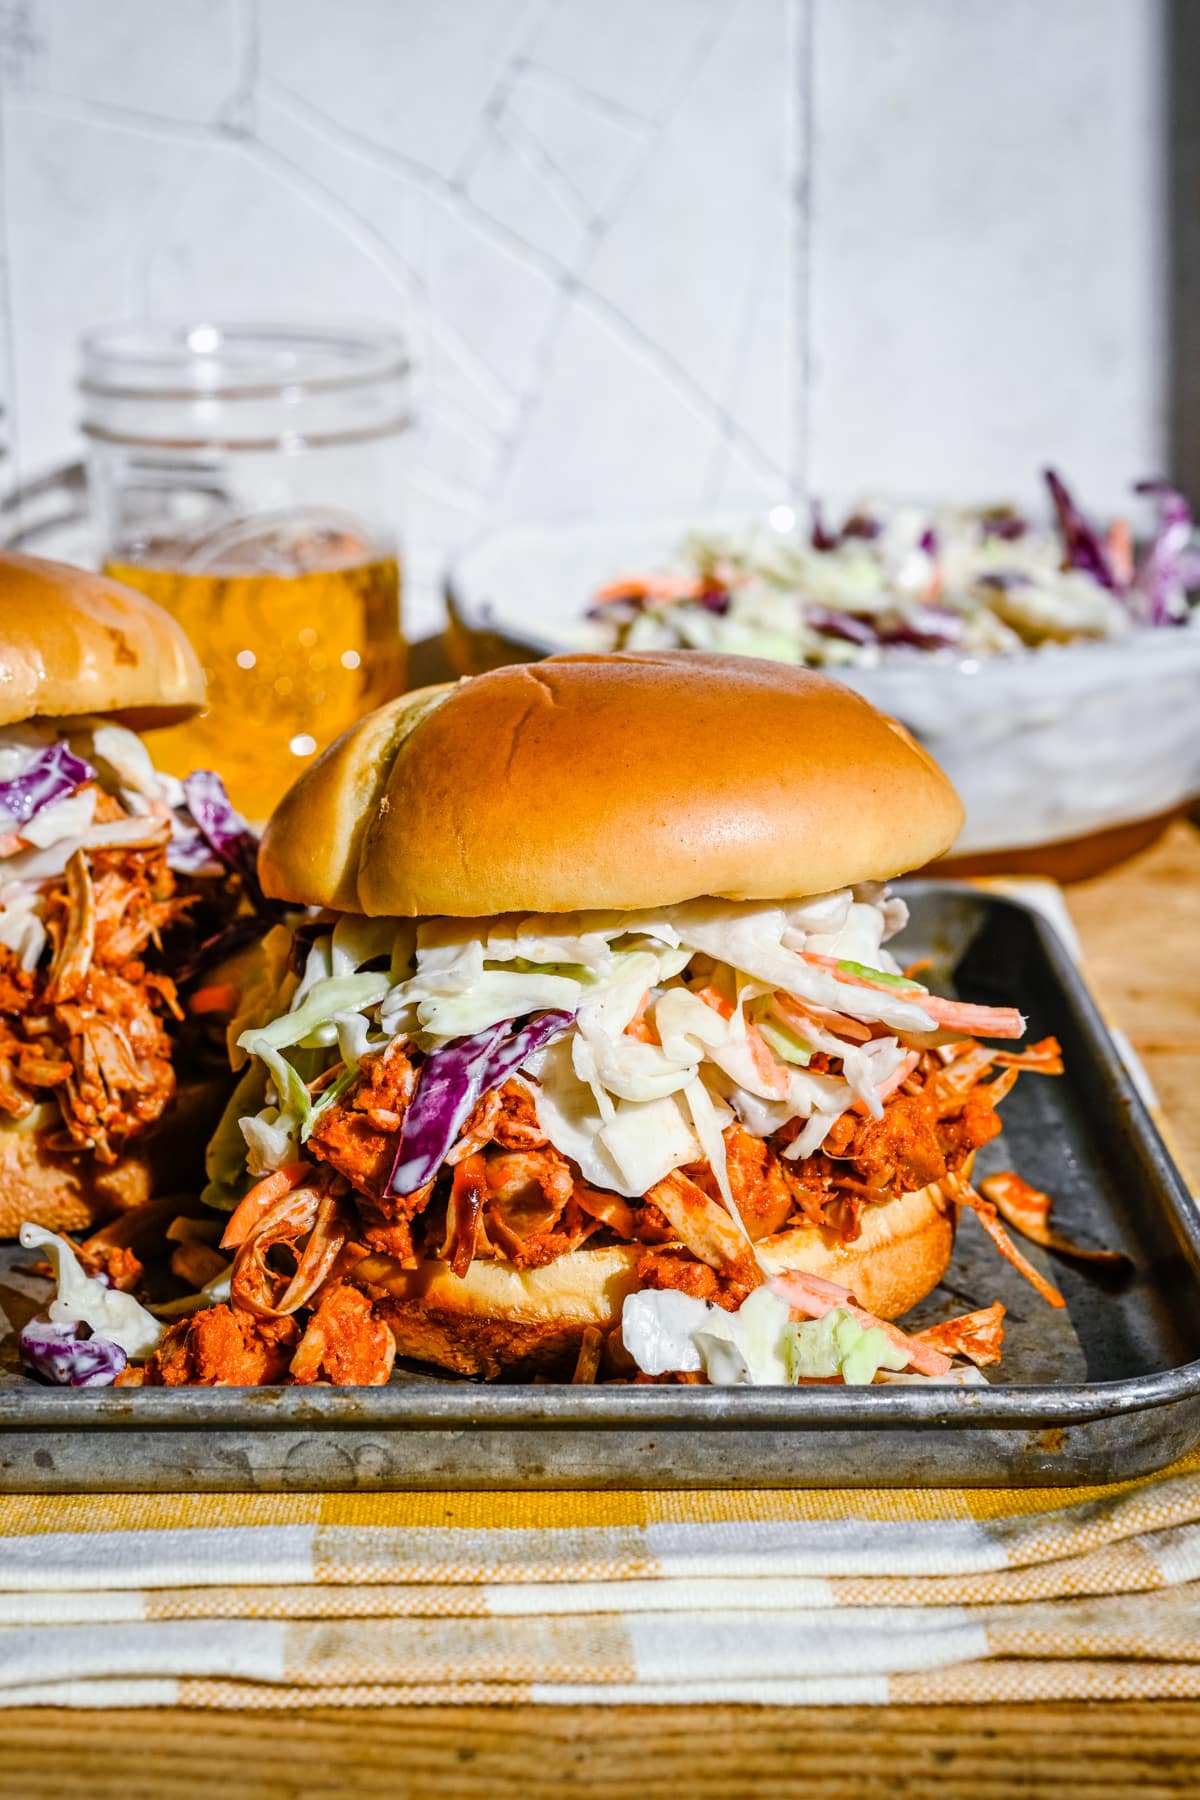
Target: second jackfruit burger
[115, 879]
[597, 1022]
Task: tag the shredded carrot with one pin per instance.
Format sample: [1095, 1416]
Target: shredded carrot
[263, 1194]
[1044, 1058]
[640, 1027]
[802, 1012]
[217, 997]
[918, 968]
[975, 1021]
[963, 1194]
[834, 963]
[766, 1066]
[1119, 544]
[713, 997]
[649, 587]
[628, 589]
[956, 1015]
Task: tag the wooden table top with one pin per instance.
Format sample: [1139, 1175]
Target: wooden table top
[1140, 927]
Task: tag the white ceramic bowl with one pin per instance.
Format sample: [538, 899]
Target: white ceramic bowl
[1046, 747]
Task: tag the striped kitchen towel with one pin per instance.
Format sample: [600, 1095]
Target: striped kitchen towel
[768, 1597]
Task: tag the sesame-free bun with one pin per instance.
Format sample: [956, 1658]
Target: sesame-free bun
[900, 1255]
[74, 642]
[628, 781]
[71, 1191]
[62, 1192]
[498, 1318]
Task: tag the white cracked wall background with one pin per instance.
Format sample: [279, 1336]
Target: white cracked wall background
[653, 255]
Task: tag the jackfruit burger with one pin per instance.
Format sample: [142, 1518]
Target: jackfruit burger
[590, 1054]
[116, 881]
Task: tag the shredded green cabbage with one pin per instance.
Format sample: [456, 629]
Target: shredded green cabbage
[837, 1344]
[627, 1106]
[785, 1042]
[225, 1157]
[900, 982]
[337, 993]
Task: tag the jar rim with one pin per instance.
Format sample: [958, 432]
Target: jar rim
[177, 360]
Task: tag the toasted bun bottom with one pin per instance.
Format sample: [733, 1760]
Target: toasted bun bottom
[498, 1318]
[901, 1254]
[70, 1193]
[63, 1193]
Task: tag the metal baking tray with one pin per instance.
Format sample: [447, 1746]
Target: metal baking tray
[1106, 1389]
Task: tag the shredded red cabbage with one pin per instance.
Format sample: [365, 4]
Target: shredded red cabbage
[862, 525]
[245, 929]
[1007, 526]
[841, 625]
[715, 600]
[452, 1080]
[1082, 546]
[820, 537]
[224, 830]
[1003, 579]
[54, 773]
[59, 1354]
[1170, 567]
[223, 833]
[925, 628]
[188, 851]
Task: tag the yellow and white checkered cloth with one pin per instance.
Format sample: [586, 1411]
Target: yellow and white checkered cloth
[777, 1597]
[783, 1597]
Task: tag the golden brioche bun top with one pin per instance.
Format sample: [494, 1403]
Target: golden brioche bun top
[74, 642]
[628, 781]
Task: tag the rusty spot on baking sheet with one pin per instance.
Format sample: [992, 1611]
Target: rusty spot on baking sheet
[1051, 1441]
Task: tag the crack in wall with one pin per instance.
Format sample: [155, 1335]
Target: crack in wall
[748, 312]
[498, 428]
[705, 408]
[517, 135]
[497, 95]
[569, 281]
[240, 111]
[602, 106]
[800, 101]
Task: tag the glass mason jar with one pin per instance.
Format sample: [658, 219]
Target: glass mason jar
[247, 477]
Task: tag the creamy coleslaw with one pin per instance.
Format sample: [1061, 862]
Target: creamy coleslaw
[51, 780]
[893, 581]
[737, 998]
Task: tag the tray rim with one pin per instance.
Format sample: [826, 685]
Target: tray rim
[452, 1407]
[443, 1404]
